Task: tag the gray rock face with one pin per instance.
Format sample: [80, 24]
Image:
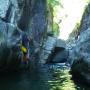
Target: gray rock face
[4, 5]
[10, 37]
[17, 16]
[9, 11]
[9, 33]
[38, 20]
[60, 43]
[28, 15]
[48, 49]
[79, 54]
[86, 18]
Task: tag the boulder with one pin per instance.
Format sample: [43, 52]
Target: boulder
[60, 43]
[54, 51]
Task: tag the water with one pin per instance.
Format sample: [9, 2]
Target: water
[63, 80]
[42, 78]
[22, 81]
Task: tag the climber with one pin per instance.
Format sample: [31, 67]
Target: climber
[25, 49]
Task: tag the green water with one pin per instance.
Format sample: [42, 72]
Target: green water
[63, 81]
[43, 79]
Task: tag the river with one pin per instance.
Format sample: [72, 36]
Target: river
[42, 78]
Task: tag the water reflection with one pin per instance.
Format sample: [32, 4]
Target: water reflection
[40, 80]
[63, 81]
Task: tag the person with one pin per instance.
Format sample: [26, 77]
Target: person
[25, 49]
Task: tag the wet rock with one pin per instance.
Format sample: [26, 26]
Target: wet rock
[17, 16]
[52, 51]
[49, 43]
[60, 43]
[4, 5]
[10, 37]
[47, 49]
[79, 54]
[9, 11]
[81, 66]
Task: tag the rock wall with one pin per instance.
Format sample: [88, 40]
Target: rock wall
[17, 17]
[79, 53]
[38, 20]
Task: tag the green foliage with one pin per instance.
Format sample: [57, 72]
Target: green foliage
[53, 2]
[55, 29]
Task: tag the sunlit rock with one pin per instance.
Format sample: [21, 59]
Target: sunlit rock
[60, 43]
[4, 5]
[79, 54]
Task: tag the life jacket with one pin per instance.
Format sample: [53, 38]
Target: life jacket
[25, 47]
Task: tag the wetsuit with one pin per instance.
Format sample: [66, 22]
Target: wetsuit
[25, 48]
